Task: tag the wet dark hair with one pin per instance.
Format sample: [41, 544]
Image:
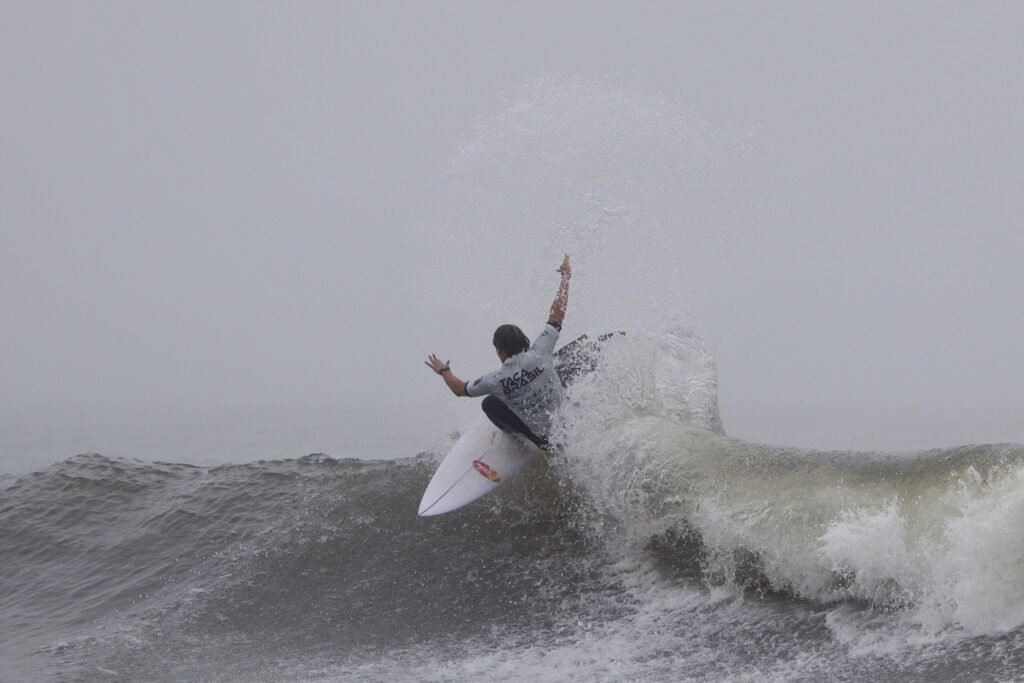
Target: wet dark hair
[510, 340]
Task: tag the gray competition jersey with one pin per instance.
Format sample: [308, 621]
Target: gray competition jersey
[527, 382]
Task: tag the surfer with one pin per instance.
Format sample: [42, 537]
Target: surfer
[520, 396]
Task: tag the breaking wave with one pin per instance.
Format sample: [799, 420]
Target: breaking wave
[651, 536]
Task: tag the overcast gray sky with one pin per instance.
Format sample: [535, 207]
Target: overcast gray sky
[227, 202]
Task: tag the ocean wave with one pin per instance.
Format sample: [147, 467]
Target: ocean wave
[327, 552]
[652, 516]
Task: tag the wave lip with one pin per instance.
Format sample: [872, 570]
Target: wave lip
[954, 554]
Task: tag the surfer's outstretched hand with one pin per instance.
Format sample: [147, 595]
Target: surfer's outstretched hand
[457, 386]
[565, 269]
[435, 364]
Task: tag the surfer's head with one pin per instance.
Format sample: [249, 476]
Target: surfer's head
[510, 340]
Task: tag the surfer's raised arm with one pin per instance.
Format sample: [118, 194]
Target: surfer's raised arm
[557, 314]
[457, 386]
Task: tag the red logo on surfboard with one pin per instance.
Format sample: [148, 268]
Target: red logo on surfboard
[486, 470]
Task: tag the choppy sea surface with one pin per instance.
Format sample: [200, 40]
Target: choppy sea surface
[655, 547]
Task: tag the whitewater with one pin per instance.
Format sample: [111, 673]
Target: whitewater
[654, 547]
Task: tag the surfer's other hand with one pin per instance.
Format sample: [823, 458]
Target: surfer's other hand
[435, 364]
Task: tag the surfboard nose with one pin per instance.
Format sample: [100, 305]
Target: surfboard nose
[432, 505]
[424, 510]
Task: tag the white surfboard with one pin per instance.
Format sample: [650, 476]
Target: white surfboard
[481, 460]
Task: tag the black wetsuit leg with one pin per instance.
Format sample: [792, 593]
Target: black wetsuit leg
[501, 415]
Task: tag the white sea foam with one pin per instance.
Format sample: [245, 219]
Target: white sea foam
[975, 570]
[933, 535]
